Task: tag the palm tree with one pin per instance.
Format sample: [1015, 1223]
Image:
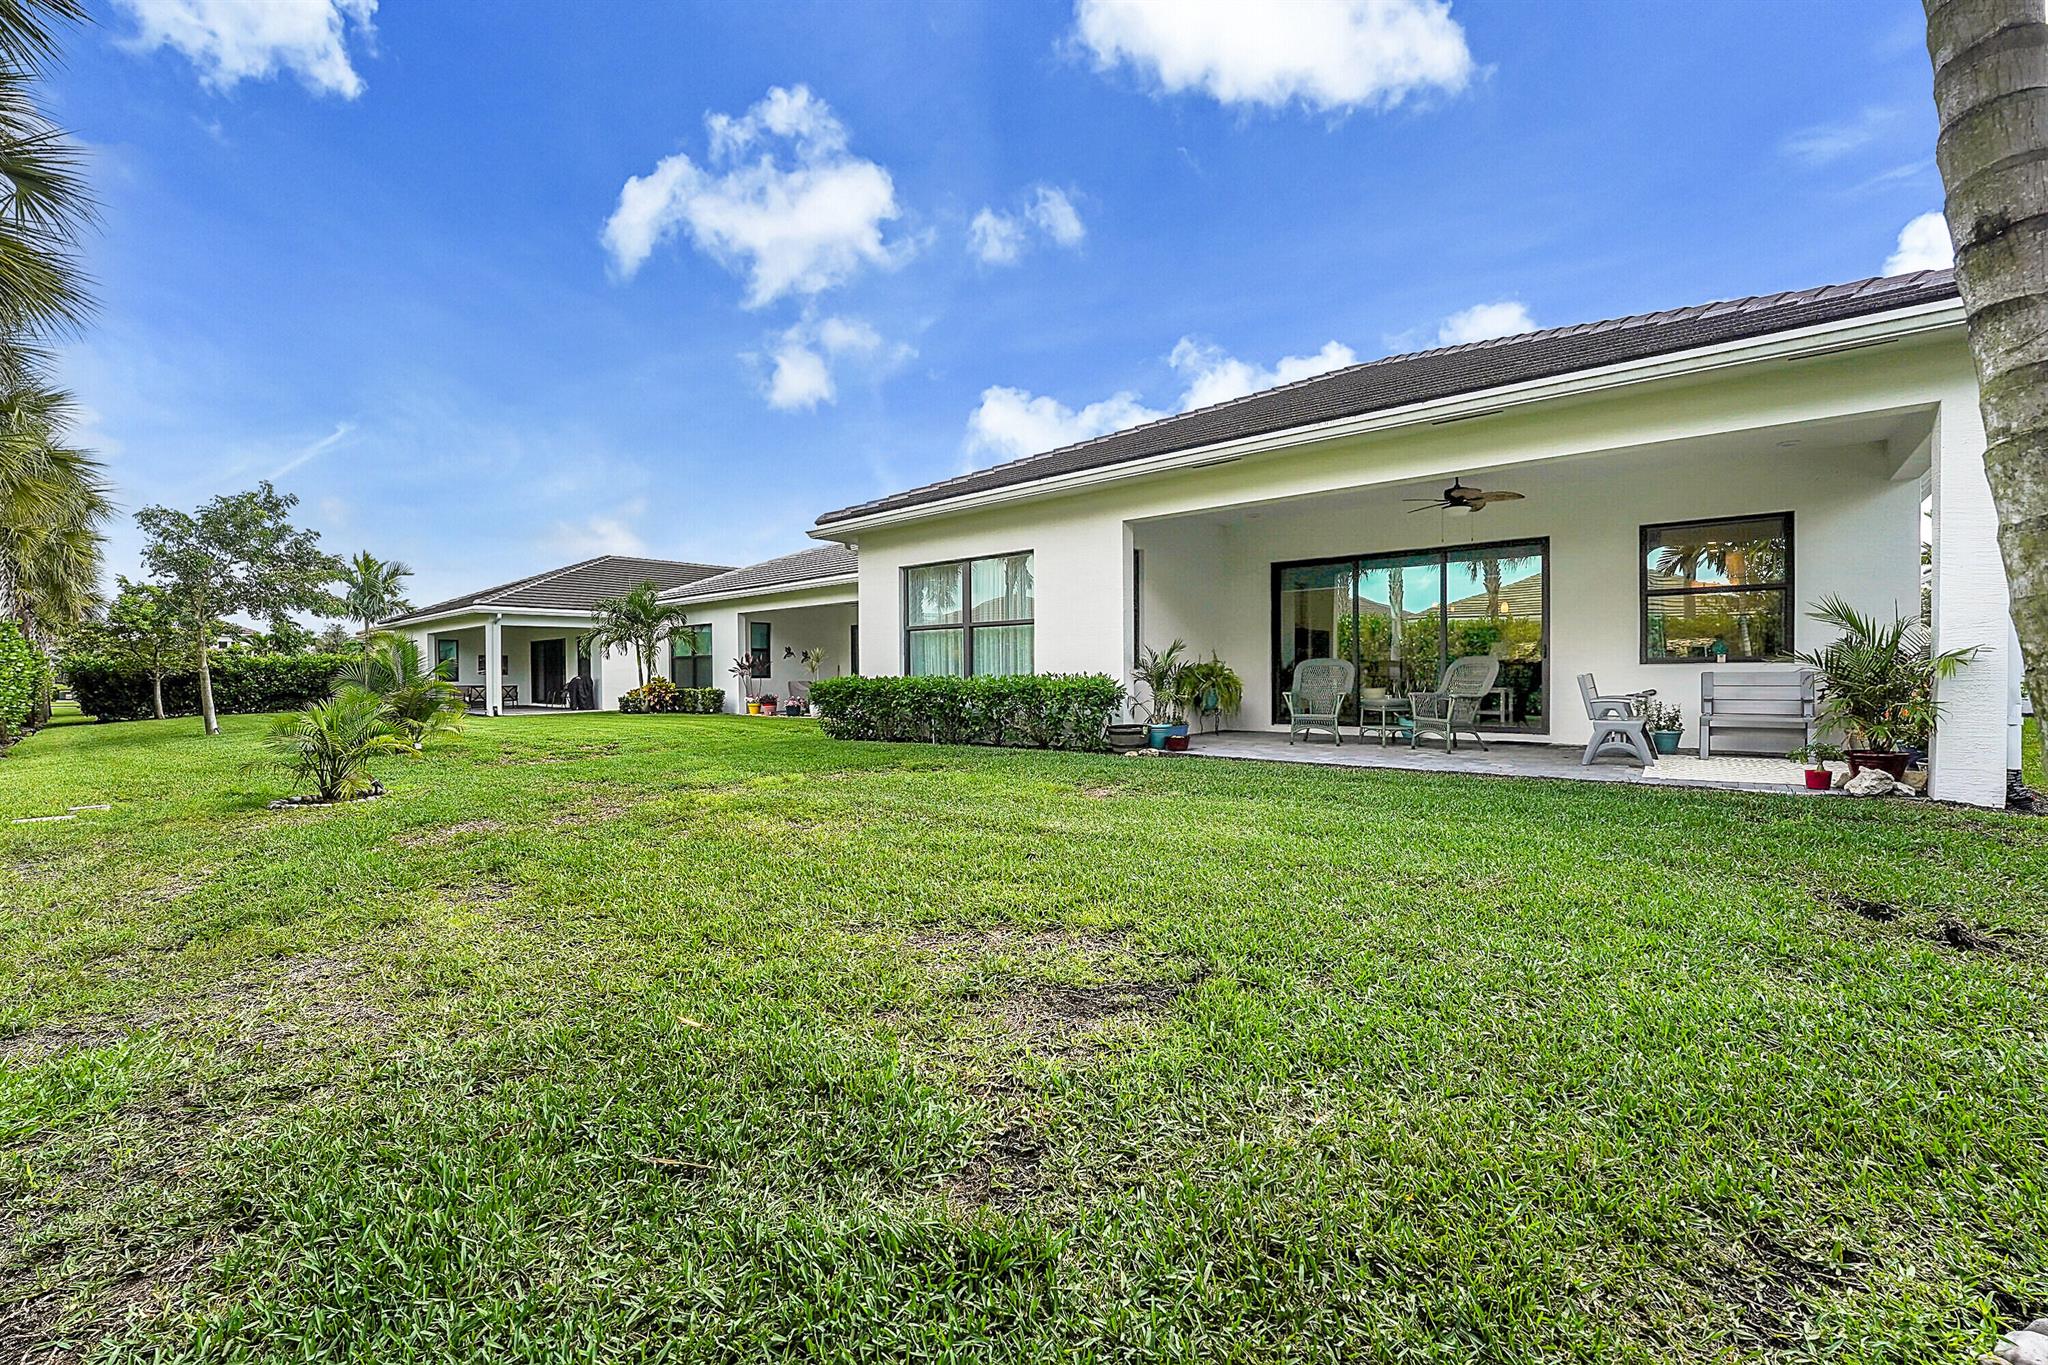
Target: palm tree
[373, 589]
[638, 620]
[43, 199]
[52, 503]
[1991, 97]
[422, 704]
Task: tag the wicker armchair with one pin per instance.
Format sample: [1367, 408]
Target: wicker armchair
[1453, 709]
[1317, 695]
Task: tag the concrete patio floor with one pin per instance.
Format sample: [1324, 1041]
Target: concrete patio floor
[1502, 758]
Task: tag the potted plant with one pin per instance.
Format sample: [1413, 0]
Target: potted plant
[742, 671]
[1666, 725]
[1877, 685]
[1158, 672]
[1208, 688]
[1816, 757]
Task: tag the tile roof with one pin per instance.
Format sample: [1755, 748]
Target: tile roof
[573, 587]
[784, 571]
[1447, 371]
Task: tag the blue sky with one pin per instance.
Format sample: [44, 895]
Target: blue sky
[492, 287]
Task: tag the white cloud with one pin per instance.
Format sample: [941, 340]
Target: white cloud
[999, 238]
[1333, 55]
[237, 40]
[1054, 213]
[1010, 422]
[313, 451]
[1483, 321]
[1214, 377]
[601, 533]
[781, 201]
[995, 238]
[801, 359]
[1923, 245]
[1826, 142]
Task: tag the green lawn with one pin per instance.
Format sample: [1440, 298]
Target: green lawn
[701, 1038]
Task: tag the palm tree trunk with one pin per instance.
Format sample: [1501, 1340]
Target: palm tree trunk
[1991, 96]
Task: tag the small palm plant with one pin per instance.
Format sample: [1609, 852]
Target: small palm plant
[329, 745]
[422, 703]
[1159, 672]
[1877, 679]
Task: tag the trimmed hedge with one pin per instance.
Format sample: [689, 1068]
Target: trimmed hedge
[1029, 711]
[23, 674]
[114, 690]
[661, 696]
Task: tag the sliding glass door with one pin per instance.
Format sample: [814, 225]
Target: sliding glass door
[1401, 617]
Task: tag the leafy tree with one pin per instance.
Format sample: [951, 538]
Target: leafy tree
[239, 554]
[638, 620]
[373, 589]
[1991, 97]
[422, 703]
[285, 636]
[330, 744]
[336, 638]
[143, 626]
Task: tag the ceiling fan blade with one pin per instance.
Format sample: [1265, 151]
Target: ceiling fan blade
[1413, 510]
[1502, 496]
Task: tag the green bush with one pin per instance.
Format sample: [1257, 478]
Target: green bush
[23, 673]
[661, 695]
[113, 690]
[1029, 711]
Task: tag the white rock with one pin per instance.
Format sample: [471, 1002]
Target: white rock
[1871, 782]
[2023, 1348]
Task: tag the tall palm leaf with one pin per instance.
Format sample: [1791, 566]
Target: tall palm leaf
[422, 704]
[53, 500]
[638, 620]
[44, 204]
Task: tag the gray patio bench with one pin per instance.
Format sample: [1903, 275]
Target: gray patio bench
[1756, 699]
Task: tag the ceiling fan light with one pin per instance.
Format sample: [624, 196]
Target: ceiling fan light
[1458, 509]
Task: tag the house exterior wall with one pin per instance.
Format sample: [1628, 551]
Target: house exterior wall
[613, 672]
[1856, 510]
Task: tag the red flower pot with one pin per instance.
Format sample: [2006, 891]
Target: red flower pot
[1177, 744]
[1819, 779]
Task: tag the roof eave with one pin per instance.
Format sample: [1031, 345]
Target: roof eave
[763, 589]
[1794, 344]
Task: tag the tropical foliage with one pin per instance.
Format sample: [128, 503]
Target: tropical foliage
[52, 496]
[638, 620]
[373, 589]
[143, 628]
[660, 696]
[23, 679]
[1024, 711]
[238, 554]
[1877, 679]
[1208, 687]
[112, 688]
[329, 745]
[1158, 672]
[423, 705]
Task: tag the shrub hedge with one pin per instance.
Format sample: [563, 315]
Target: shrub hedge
[23, 673]
[661, 695]
[115, 690]
[1029, 711]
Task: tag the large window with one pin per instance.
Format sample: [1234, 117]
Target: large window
[761, 648]
[1401, 617]
[447, 658]
[689, 663]
[972, 617]
[1716, 591]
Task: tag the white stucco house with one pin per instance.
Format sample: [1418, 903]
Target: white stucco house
[1690, 483]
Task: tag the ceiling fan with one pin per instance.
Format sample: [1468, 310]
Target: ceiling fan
[1462, 497]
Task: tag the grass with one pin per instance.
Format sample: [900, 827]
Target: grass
[2030, 757]
[691, 1038]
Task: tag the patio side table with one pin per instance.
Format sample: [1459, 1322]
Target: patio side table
[1387, 713]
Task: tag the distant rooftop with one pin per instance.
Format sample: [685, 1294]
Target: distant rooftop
[573, 587]
[784, 571]
[1397, 381]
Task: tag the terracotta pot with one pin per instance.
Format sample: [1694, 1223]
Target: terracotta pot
[1882, 760]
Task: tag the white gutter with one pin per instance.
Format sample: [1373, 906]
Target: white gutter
[765, 590]
[1803, 343]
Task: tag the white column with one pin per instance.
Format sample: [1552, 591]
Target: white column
[494, 668]
[1971, 610]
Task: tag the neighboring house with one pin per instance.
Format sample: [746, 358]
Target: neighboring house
[771, 613]
[518, 644]
[1692, 482]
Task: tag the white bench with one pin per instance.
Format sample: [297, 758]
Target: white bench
[1756, 699]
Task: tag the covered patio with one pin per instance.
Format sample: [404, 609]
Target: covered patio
[1741, 773]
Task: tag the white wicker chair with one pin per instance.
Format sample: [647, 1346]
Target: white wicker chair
[1317, 696]
[1453, 709]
